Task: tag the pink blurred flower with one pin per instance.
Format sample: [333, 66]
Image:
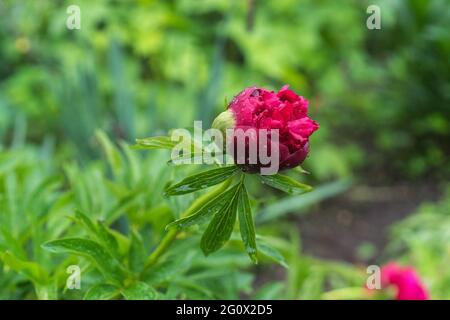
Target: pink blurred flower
[406, 281]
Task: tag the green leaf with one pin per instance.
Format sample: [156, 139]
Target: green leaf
[31, 270]
[186, 287]
[285, 183]
[137, 254]
[10, 242]
[124, 203]
[112, 153]
[299, 169]
[190, 158]
[299, 204]
[203, 213]
[100, 232]
[202, 180]
[108, 239]
[169, 269]
[47, 291]
[86, 222]
[44, 288]
[350, 293]
[221, 226]
[270, 291]
[246, 224]
[139, 291]
[272, 253]
[101, 292]
[123, 243]
[151, 143]
[109, 267]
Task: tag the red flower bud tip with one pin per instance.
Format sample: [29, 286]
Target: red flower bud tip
[406, 281]
[257, 108]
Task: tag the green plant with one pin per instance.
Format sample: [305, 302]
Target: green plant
[109, 222]
[422, 240]
[140, 69]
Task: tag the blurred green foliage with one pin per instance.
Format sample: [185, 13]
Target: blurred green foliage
[140, 68]
[424, 241]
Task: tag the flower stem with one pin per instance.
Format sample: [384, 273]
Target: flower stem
[171, 235]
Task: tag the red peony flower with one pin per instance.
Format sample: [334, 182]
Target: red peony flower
[405, 279]
[257, 108]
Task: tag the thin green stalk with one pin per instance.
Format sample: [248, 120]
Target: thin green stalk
[171, 234]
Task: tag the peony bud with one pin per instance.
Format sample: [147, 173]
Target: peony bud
[224, 121]
[262, 110]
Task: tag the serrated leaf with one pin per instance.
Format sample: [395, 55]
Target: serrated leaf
[101, 292]
[108, 266]
[285, 183]
[140, 291]
[202, 180]
[221, 226]
[246, 224]
[205, 212]
[152, 143]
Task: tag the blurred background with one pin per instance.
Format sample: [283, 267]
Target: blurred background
[71, 100]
